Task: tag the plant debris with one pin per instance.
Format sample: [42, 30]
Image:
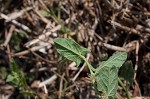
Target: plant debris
[27, 31]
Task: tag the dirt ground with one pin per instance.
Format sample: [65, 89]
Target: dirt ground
[30, 66]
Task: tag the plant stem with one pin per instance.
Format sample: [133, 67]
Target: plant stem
[90, 68]
[127, 92]
[89, 65]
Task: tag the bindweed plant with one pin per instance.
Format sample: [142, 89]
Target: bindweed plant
[105, 76]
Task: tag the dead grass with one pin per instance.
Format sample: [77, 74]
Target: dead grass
[27, 30]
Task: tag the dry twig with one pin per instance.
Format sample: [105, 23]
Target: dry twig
[48, 81]
[16, 23]
[75, 77]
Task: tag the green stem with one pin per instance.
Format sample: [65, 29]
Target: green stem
[89, 65]
[90, 68]
[127, 92]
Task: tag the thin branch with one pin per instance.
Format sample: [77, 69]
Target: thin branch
[61, 86]
[16, 23]
[113, 47]
[125, 28]
[12, 28]
[15, 15]
[48, 81]
[28, 51]
[42, 36]
[81, 69]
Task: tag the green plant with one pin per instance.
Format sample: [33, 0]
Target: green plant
[57, 18]
[105, 76]
[17, 38]
[18, 80]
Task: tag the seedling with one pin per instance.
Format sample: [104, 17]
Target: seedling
[18, 79]
[105, 76]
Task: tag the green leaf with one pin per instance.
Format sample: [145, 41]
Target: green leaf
[16, 77]
[17, 47]
[70, 49]
[14, 67]
[117, 59]
[10, 78]
[107, 80]
[28, 93]
[62, 62]
[64, 29]
[13, 79]
[3, 72]
[44, 13]
[127, 72]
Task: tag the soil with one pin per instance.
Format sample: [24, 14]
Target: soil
[27, 31]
